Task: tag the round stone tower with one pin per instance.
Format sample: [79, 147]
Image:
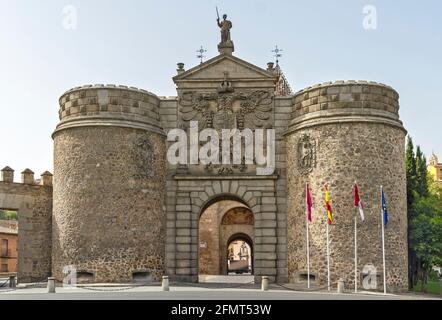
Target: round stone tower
[340, 133]
[109, 185]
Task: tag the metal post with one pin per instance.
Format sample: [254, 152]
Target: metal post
[308, 242]
[356, 253]
[328, 259]
[383, 244]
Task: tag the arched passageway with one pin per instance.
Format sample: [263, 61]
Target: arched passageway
[225, 234]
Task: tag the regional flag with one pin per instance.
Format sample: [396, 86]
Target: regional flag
[384, 207]
[328, 207]
[358, 201]
[308, 203]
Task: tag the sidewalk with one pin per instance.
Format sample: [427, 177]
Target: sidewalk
[189, 291]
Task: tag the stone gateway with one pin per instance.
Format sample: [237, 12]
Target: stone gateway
[118, 211]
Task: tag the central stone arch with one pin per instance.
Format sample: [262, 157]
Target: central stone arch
[192, 195]
[221, 219]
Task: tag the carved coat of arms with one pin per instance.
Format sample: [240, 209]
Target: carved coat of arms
[306, 154]
[144, 156]
[227, 109]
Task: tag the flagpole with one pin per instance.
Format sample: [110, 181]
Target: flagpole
[383, 242]
[307, 231]
[356, 252]
[328, 260]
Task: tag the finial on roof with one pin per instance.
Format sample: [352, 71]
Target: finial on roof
[277, 54]
[200, 54]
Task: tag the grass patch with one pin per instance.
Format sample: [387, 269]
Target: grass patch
[432, 287]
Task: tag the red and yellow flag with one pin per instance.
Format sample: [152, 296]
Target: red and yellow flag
[328, 207]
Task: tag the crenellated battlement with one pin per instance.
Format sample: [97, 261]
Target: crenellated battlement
[98, 105]
[27, 177]
[346, 82]
[347, 100]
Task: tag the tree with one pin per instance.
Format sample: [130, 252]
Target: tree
[421, 173]
[410, 169]
[8, 215]
[426, 232]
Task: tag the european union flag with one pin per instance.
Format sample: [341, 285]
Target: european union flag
[384, 208]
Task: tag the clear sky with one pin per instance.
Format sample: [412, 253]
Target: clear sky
[138, 43]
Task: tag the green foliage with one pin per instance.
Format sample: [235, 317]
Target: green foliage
[424, 215]
[434, 276]
[432, 287]
[421, 173]
[410, 167]
[8, 215]
[426, 231]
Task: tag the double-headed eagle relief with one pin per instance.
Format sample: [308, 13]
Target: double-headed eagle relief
[227, 109]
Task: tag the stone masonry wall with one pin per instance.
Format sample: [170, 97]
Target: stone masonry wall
[109, 214]
[109, 189]
[359, 138]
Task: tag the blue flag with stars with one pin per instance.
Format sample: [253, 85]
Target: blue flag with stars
[384, 208]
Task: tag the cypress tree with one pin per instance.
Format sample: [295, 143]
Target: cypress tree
[421, 173]
[410, 168]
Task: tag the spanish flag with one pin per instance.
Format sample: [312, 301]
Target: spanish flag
[328, 207]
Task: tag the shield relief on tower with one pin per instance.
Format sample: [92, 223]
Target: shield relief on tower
[306, 154]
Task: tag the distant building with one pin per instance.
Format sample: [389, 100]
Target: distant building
[8, 249]
[435, 168]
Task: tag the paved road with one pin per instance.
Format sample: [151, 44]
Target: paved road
[187, 293]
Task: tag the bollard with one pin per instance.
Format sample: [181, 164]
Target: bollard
[51, 285]
[265, 283]
[165, 284]
[341, 285]
[12, 283]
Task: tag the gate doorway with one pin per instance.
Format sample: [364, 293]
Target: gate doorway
[225, 248]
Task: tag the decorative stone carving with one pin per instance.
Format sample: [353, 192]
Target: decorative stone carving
[227, 109]
[144, 157]
[222, 170]
[306, 154]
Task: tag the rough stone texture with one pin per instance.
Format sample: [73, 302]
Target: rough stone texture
[34, 206]
[108, 219]
[350, 146]
[109, 187]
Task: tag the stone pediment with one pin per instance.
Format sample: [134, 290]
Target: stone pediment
[215, 69]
